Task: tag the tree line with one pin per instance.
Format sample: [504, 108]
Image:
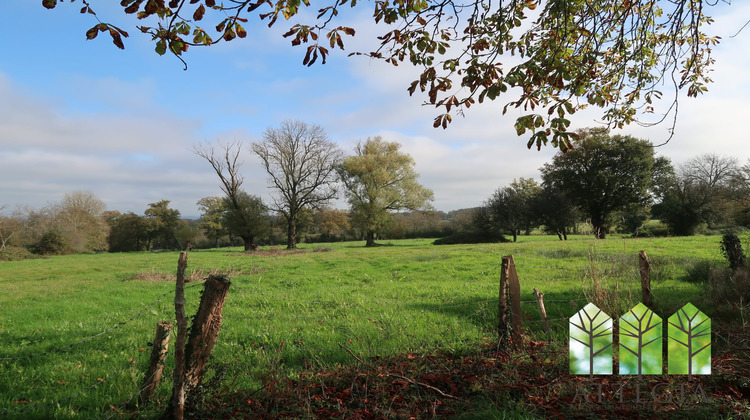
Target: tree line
[306, 172]
[613, 183]
[617, 183]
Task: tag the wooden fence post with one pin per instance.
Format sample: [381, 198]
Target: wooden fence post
[176, 409]
[156, 364]
[645, 268]
[509, 280]
[502, 326]
[540, 303]
[205, 329]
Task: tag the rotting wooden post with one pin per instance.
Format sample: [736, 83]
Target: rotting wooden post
[540, 303]
[156, 364]
[514, 293]
[205, 329]
[502, 326]
[645, 267]
[510, 289]
[177, 404]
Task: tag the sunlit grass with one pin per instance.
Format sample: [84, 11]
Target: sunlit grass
[291, 312]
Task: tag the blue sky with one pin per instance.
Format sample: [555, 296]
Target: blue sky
[83, 115]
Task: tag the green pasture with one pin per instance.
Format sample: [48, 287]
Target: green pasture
[289, 312]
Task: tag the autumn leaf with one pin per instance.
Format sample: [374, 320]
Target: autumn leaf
[241, 32]
[116, 39]
[199, 12]
[49, 4]
[161, 47]
[92, 33]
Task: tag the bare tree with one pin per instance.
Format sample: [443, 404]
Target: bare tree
[301, 162]
[226, 163]
[9, 226]
[711, 171]
[79, 217]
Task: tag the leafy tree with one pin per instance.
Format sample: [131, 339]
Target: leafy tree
[461, 220]
[332, 222]
[301, 162]
[612, 54]
[212, 210]
[185, 233]
[506, 212]
[247, 217]
[127, 231]
[602, 174]
[555, 211]
[379, 179]
[164, 221]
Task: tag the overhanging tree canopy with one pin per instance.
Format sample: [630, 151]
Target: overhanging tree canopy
[550, 58]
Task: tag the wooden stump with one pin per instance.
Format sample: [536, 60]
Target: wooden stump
[540, 303]
[645, 268]
[156, 364]
[205, 329]
[510, 289]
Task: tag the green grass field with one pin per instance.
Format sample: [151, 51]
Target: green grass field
[287, 312]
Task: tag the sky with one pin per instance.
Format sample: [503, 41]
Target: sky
[78, 115]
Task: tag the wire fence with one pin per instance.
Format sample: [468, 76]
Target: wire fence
[481, 290]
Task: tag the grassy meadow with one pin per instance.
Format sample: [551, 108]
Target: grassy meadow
[75, 330]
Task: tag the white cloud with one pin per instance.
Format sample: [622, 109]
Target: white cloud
[127, 134]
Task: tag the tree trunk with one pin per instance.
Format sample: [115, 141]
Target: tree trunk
[370, 238]
[565, 234]
[291, 233]
[515, 235]
[559, 235]
[600, 228]
[248, 242]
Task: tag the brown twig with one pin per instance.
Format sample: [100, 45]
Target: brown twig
[413, 382]
[351, 352]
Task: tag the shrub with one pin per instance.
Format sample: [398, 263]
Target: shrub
[652, 228]
[731, 248]
[730, 287]
[470, 238]
[15, 253]
[51, 243]
[700, 272]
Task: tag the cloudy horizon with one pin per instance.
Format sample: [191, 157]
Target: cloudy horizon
[79, 115]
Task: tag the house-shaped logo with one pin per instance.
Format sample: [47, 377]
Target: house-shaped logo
[640, 342]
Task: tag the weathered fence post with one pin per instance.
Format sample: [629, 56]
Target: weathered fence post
[510, 288]
[645, 268]
[205, 329]
[156, 364]
[540, 303]
[502, 326]
[178, 393]
[191, 354]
